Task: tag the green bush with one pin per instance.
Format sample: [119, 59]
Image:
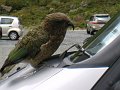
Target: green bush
[17, 4]
[2, 2]
[31, 12]
[31, 16]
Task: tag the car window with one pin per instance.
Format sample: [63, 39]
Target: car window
[6, 21]
[103, 16]
[112, 32]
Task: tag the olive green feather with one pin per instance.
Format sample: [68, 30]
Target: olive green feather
[28, 47]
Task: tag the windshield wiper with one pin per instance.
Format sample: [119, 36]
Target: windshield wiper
[66, 61]
[82, 50]
[78, 47]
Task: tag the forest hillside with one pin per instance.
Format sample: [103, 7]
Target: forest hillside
[31, 12]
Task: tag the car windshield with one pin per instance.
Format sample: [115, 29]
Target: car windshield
[105, 16]
[110, 33]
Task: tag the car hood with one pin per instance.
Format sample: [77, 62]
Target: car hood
[48, 78]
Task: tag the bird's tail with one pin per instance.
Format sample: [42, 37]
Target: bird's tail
[1, 71]
[5, 70]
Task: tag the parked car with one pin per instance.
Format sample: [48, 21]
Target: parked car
[94, 66]
[10, 27]
[96, 22]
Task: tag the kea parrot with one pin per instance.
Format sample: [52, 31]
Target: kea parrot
[39, 43]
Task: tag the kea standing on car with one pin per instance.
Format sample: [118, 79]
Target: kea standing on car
[39, 43]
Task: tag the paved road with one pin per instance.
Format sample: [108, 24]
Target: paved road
[71, 38]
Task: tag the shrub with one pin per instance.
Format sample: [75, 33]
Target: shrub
[31, 16]
[2, 2]
[16, 4]
[31, 12]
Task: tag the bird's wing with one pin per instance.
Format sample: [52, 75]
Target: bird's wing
[28, 46]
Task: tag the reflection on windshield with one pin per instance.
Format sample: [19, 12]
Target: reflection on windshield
[112, 32]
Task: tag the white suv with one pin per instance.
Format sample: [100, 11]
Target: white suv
[10, 27]
[96, 22]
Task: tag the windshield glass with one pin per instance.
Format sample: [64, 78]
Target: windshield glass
[112, 32]
[107, 16]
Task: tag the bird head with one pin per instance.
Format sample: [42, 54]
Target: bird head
[57, 21]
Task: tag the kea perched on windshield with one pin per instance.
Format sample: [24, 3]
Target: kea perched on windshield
[39, 43]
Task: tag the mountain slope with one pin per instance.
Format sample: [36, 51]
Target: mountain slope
[31, 12]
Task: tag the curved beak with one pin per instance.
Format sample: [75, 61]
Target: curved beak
[71, 24]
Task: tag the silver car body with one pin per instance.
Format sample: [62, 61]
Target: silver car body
[53, 79]
[10, 24]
